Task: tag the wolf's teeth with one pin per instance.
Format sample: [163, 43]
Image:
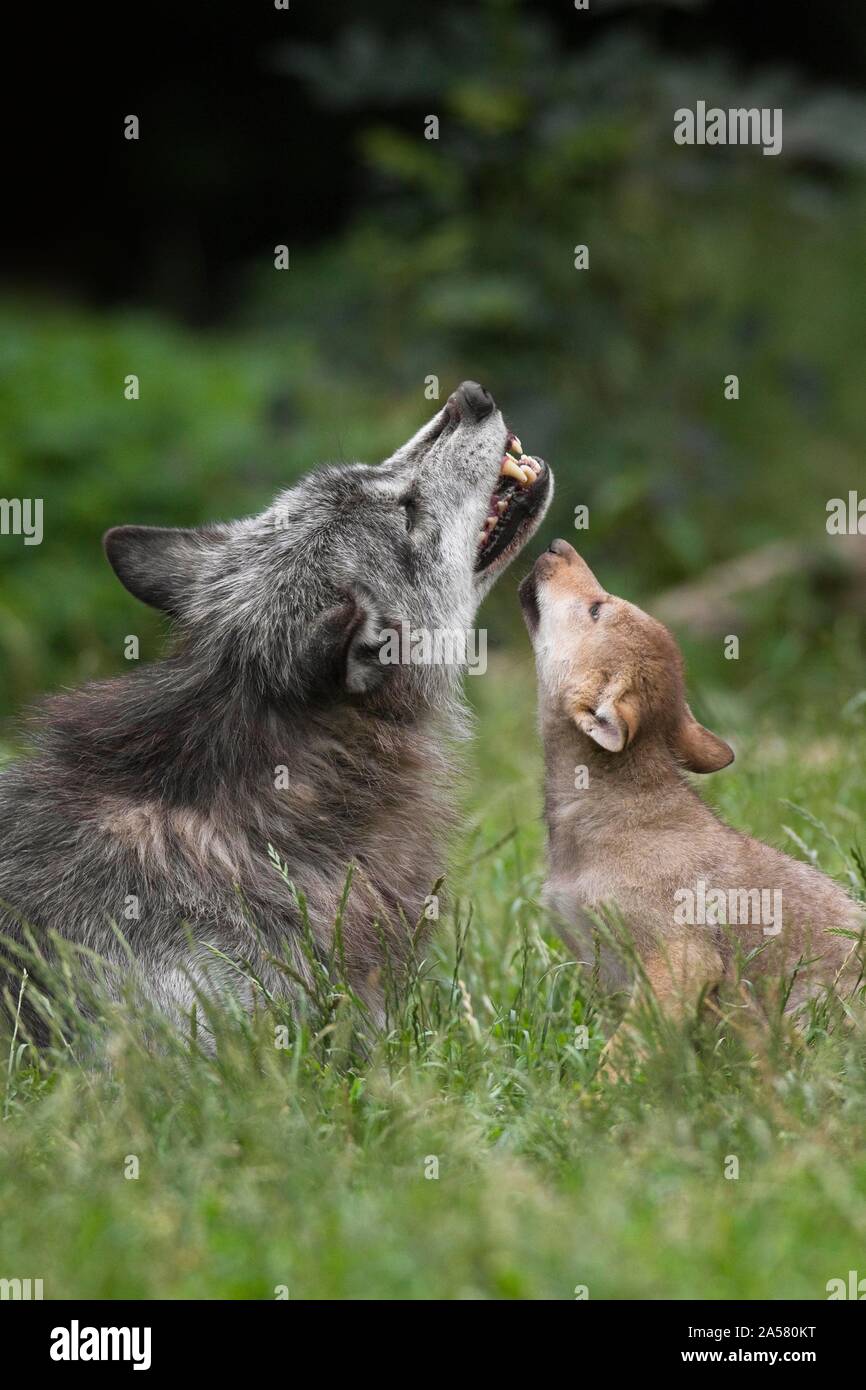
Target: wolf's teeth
[513, 470]
[502, 506]
[515, 447]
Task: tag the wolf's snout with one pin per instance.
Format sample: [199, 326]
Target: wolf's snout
[473, 402]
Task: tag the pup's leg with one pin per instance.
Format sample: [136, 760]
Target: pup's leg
[675, 974]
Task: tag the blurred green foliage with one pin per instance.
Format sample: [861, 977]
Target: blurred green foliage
[459, 261]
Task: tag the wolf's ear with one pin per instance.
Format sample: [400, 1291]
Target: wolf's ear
[157, 564]
[607, 710]
[344, 649]
[697, 749]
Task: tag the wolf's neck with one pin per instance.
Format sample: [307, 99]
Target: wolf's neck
[170, 733]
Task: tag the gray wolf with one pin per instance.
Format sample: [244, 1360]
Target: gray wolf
[154, 803]
[629, 837]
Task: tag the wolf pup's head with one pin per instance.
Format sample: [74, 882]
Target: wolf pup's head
[317, 596]
[606, 668]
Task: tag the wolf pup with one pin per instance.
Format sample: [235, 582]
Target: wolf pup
[628, 836]
[275, 722]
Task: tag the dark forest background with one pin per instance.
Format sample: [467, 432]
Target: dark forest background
[452, 257]
[252, 117]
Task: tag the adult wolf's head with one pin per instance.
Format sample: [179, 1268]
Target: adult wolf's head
[304, 598]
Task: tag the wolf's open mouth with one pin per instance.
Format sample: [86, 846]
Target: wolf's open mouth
[522, 487]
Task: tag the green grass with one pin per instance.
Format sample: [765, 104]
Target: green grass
[304, 1167]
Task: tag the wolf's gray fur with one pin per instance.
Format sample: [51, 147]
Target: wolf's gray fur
[164, 785]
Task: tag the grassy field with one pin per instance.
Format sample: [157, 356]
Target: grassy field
[474, 1153]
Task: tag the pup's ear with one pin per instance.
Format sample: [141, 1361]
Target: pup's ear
[608, 712]
[345, 646]
[157, 564]
[699, 750]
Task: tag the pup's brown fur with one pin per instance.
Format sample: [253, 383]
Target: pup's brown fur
[629, 842]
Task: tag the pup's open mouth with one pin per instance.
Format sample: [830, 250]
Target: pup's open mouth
[522, 487]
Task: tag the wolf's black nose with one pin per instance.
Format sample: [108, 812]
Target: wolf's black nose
[475, 402]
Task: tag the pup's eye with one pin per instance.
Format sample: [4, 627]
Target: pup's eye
[594, 610]
[410, 509]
